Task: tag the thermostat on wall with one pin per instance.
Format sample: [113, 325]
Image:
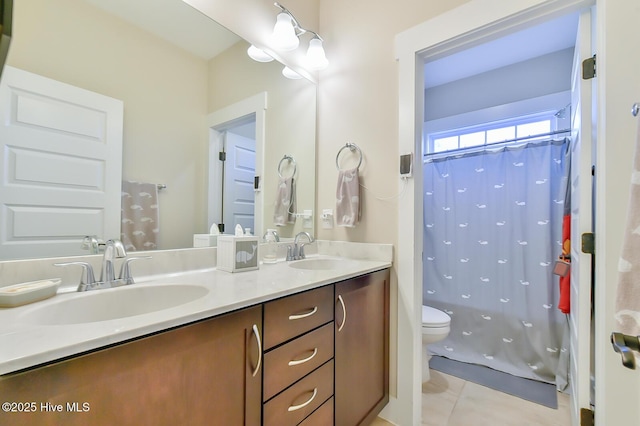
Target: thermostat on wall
[406, 165]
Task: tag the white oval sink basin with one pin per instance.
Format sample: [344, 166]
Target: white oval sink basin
[320, 264]
[110, 304]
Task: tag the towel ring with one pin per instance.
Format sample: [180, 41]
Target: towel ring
[635, 109]
[352, 147]
[291, 160]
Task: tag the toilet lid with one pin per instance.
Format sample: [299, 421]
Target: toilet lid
[432, 317]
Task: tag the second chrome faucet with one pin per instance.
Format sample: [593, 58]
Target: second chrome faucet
[296, 252]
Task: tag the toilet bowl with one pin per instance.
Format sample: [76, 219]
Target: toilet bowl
[435, 327]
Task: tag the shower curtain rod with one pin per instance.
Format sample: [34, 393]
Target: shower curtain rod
[432, 157]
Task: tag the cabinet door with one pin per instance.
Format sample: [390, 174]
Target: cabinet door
[362, 348]
[199, 374]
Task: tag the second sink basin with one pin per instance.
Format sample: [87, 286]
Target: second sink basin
[320, 263]
[110, 304]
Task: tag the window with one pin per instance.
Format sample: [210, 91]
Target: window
[491, 133]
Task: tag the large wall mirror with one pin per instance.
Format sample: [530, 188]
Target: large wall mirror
[170, 87]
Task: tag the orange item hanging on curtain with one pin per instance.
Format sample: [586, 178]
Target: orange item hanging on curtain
[564, 304]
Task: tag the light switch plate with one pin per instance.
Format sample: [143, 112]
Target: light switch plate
[307, 219]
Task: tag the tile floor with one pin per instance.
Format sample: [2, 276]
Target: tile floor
[450, 401]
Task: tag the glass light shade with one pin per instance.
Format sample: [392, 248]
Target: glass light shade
[258, 54]
[316, 59]
[284, 35]
[289, 73]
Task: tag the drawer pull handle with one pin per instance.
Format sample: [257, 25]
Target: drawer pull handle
[344, 313]
[302, 361]
[305, 315]
[257, 334]
[304, 404]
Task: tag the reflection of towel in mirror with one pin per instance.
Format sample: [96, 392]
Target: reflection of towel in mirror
[140, 216]
[285, 205]
[628, 292]
[348, 198]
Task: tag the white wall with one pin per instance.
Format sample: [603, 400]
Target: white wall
[536, 77]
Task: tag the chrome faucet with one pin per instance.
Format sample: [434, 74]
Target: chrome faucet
[112, 249]
[296, 251]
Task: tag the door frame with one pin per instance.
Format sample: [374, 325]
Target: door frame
[255, 105]
[471, 23]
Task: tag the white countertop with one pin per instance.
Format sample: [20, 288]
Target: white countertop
[23, 345]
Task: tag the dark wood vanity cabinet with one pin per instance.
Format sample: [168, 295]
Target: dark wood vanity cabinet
[361, 348]
[198, 374]
[298, 359]
[323, 360]
[327, 354]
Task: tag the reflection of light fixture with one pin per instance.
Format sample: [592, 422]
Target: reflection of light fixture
[286, 36]
[258, 54]
[289, 73]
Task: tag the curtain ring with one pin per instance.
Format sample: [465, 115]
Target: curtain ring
[352, 147]
[291, 160]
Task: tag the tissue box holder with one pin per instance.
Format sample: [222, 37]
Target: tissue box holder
[236, 254]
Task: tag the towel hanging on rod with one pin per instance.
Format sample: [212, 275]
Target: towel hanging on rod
[352, 147]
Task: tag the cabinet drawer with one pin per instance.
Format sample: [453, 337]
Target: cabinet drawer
[323, 416]
[289, 362]
[301, 399]
[294, 315]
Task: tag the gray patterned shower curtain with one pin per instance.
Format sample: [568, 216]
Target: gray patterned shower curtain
[492, 231]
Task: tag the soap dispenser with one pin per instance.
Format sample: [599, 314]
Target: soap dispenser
[271, 247]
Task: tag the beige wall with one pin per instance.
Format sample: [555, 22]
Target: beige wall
[162, 90]
[290, 122]
[358, 102]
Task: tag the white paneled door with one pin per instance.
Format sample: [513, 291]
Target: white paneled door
[581, 223]
[240, 169]
[61, 151]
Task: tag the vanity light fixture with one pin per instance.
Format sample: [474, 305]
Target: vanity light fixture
[258, 54]
[286, 36]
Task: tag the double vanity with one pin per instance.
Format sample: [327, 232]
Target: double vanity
[301, 342]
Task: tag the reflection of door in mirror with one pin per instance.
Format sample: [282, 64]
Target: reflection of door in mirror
[62, 147]
[238, 201]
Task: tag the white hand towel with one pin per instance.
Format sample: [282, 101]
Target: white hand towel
[348, 198]
[628, 292]
[285, 204]
[140, 216]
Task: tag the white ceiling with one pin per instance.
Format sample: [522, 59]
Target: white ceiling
[174, 21]
[551, 36]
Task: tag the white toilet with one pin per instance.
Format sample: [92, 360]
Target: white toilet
[435, 327]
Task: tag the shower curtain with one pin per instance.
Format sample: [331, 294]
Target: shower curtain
[492, 231]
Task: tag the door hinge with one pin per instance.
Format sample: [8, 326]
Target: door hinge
[222, 156]
[589, 68]
[588, 243]
[586, 417]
